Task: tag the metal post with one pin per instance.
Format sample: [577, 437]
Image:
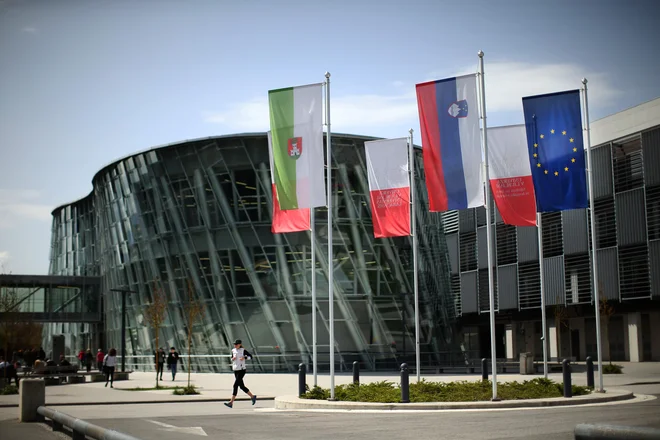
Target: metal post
[356, 372]
[312, 221]
[566, 370]
[411, 165]
[594, 262]
[484, 369]
[302, 382]
[489, 239]
[331, 264]
[405, 384]
[544, 322]
[590, 373]
[123, 331]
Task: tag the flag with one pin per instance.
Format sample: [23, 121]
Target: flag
[511, 176]
[451, 143]
[297, 130]
[294, 220]
[556, 152]
[389, 186]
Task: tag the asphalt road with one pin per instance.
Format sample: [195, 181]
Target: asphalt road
[264, 423]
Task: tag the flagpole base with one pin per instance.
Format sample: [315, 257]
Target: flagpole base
[496, 399]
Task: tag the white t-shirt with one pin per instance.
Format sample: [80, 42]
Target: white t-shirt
[110, 361]
[236, 355]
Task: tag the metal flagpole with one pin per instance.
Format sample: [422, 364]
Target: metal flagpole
[411, 164]
[331, 265]
[594, 262]
[312, 222]
[491, 289]
[544, 322]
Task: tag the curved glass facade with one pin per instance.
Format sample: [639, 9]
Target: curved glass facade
[199, 212]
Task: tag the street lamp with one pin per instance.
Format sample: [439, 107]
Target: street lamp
[123, 325]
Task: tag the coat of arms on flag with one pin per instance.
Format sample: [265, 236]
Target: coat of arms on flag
[458, 109]
[295, 147]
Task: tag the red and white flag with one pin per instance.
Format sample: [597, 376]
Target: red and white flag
[293, 220]
[389, 186]
[511, 175]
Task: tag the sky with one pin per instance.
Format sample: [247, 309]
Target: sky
[83, 83]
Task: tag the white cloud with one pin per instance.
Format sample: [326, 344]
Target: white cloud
[18, 205]
[30, 29]
[506, 84]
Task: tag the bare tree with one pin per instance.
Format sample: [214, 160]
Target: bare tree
[155, 315]
[606, 311]
[194, 310]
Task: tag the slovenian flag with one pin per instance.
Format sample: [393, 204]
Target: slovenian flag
[451, 143]
[389, 186]
[511, 176]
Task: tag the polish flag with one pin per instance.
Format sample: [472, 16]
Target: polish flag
[511, 176]
[293, 220]
[389, 186]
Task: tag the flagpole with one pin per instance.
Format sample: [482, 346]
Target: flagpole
[331, 266]
[491, 289]
[411, 162]
[312, 220]
[544, 321]
[594, 262]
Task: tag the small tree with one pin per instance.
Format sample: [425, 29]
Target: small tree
[194, 310]
[606, 311]
[155, 315]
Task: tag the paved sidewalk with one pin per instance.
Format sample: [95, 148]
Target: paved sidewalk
[268, 386]
[13, 430]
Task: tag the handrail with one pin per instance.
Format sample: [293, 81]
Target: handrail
[80, 426]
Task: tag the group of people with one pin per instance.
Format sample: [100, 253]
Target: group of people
[172, 360]
[105, 363]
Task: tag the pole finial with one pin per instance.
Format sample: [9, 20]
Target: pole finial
[584, 81]
[327, 75]
[480, 53]
[411, 131]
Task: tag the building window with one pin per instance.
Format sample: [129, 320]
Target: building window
[468, 251]
[484, 295]
[628, 165]
[653, 212]
[577, 273]
[605, 223]
[634, 281]
[553, 244]
[506, 244]
[529, 285]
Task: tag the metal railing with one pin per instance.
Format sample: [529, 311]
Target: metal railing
[80, 428]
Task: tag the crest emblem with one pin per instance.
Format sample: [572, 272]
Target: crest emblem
[295, 147]
[458, 109]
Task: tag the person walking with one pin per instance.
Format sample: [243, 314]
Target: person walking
[81, 358]
[89, 359]
[172, 362]
[99, 359]
[109, 364]
[160, 362]
[238, 357]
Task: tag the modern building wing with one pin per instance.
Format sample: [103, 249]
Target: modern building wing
[198, 213]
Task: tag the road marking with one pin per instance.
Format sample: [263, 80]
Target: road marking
[192, 430]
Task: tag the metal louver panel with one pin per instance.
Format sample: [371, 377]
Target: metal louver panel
[529, 286]
[634, 273]
[577, 269]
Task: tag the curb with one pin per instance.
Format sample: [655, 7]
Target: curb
[293, 402]
[138, 402]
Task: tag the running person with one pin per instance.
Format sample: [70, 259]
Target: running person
[238, 357]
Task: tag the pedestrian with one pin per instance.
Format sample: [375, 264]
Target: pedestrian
[81, 357]
[89, 359]
[238, 357]
[109, 363]
[99, 359]
[42, 354]
[160, 362]
[172, 362]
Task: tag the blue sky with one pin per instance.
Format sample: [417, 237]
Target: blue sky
[83, 83]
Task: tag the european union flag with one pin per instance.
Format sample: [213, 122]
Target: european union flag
[556, 152]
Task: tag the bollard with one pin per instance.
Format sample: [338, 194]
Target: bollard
[590, 373]
[484, 369]
[356, 372]
[405, 384]
[566, 369]
[302, 385]
[32, 395]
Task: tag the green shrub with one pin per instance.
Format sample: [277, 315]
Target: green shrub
[185, 391]
[612, 369]
[465, 391]
[9, 389]
[160, 387]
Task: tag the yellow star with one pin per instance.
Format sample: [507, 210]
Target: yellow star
[565, 168]
[574, 149]
[552, 131]
[556, 173]
[538, 165]
[542, 136]
[536, 145]
[546, 171]
[571, 139]
[573, 160]
[536, 155]
[564, 132]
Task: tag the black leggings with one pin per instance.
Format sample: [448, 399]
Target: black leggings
[238, 382]
[109, 374]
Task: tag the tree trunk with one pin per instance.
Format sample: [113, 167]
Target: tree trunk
[189, 343]
[157, 357]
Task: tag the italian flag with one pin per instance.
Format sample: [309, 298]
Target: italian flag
[297, 146]
[294, 220]
[389, 186]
